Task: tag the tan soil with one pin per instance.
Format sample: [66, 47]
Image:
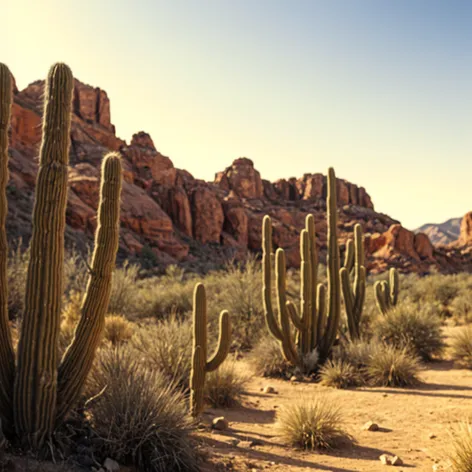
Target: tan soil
[407, 419]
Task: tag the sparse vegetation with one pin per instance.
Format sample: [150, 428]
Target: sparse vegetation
[117, 329]
[461, 347]
[312, 423]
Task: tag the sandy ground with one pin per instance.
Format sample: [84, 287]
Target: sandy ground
[413, 425]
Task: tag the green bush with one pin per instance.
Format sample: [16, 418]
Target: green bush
[340, 374]
[461, 347]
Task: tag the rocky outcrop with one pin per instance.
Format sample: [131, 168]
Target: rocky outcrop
[180, 219]
[465, 236]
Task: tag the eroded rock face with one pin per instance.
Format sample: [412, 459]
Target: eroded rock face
[241, 178]
[182, 219]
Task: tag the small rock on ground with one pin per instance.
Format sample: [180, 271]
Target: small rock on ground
[220, 423]
[370, 426]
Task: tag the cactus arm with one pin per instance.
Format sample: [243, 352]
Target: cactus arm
[224, 343]
[321, 310]
[293, 313]
[394, 286]
[333, 263]
[349, 255]
[288, 348]
[313, 259]
[271, 320]
[78, 358]
[379, 297]
[306, 290]
[349, 302]
[7, 356]
[35, 383]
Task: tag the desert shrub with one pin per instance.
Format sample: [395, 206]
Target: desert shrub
[160, 296]
[139, 418]
[358, 353]
[411, 327]
[267, 359]
[460, 453]
[338, 373]
[461, 347]
[388, 366]
[117, 329]
[225, 385]
[312, 423]
[124, 296]
[461, 308]
[238, 289]
[69, 319]
[167, 346]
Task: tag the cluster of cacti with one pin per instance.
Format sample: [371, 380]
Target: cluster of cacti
[386, 292]
[200, 365]
[37, 395]
[318, 320]
[354, 294]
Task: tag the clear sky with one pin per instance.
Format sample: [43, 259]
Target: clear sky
[379, 89]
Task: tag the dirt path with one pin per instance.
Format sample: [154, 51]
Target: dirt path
[413, 423]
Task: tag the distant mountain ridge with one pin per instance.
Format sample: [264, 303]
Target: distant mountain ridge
[442, 233]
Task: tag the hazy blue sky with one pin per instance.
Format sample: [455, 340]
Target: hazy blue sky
[379, 89]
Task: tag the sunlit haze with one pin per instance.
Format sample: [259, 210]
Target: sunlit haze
[380, 90]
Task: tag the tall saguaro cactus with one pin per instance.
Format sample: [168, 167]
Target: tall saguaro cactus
[354, 295]
[318, 320]
[200, 365]
[386, 292]
[36, 379]
[7, 355]
[43, 392]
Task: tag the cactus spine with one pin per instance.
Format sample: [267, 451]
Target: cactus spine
[38, 395]
[7, 355]
[386, 292]
[318, 320]
[200, 365]
[354, 295]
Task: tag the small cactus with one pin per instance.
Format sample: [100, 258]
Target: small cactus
[200, 365]
[386, 292]
[354, 295]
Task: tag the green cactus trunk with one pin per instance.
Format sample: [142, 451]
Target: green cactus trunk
[78, 358]
[36, 380]
[317, 327]
[200, 366]
[386, 292]
[7, 355]
[354, 296]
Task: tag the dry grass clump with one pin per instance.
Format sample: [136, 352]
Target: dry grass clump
[267, 359]
[225, 385]
[167, 346]
[339, 373]
[312, 423]
[391, 367]
[460, 454]
[408, 326]
[461, 308]
[117, 329]
[139, 418]
[380, 365]
[461, 347]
